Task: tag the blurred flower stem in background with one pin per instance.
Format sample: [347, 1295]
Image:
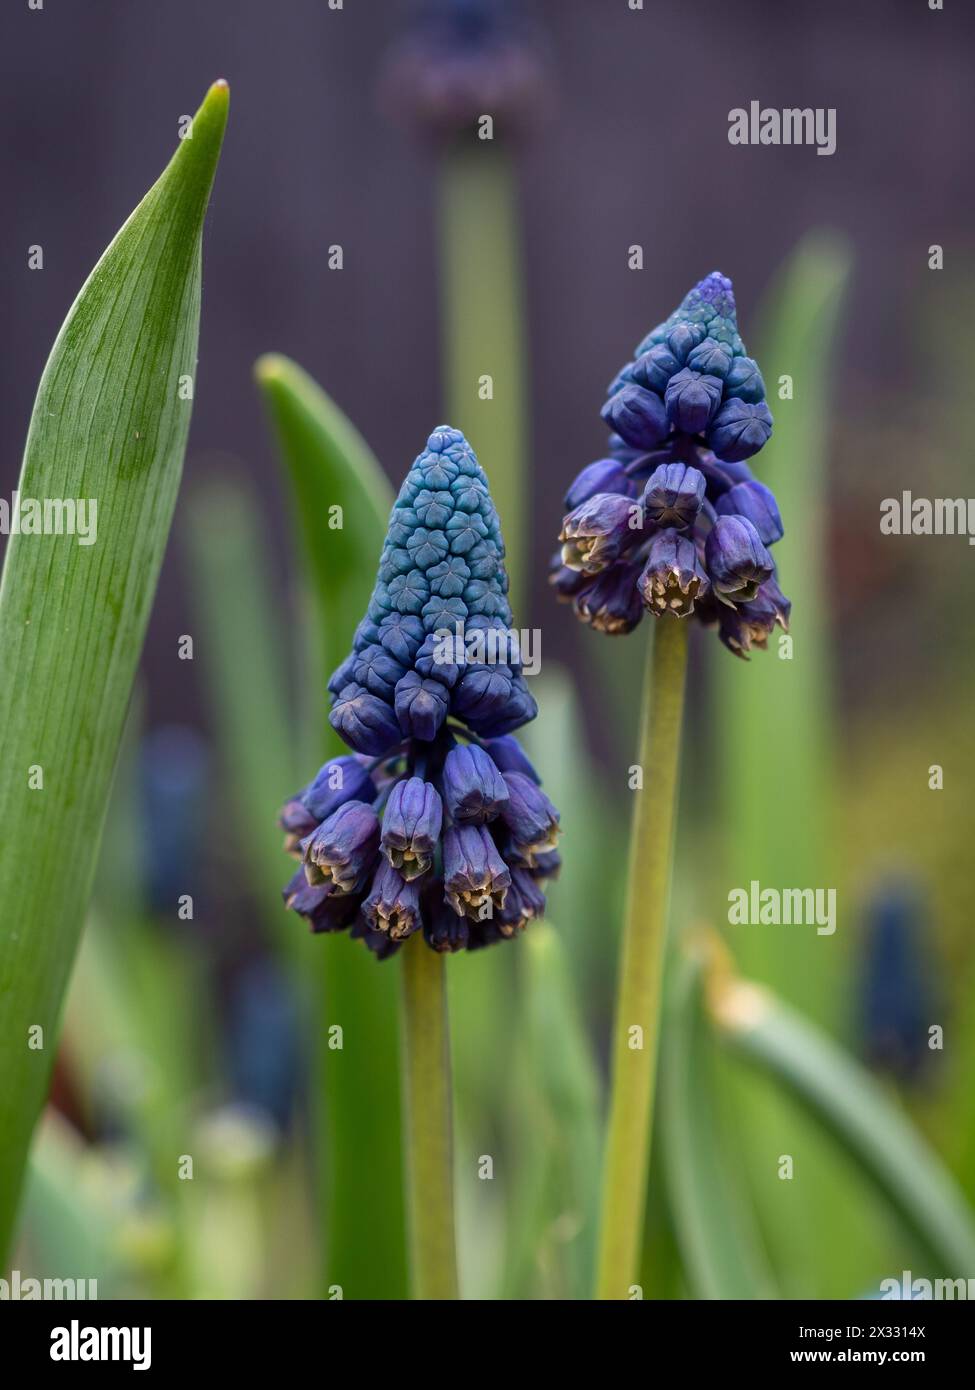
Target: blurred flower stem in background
[428, 1123]
[483, 339]
[641, 961]
[468, 79]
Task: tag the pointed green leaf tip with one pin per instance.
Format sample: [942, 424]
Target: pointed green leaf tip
[333, 473]
[103, 461]
[196, 158]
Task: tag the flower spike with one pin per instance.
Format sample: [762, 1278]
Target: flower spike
[671, 521]
[426, 825]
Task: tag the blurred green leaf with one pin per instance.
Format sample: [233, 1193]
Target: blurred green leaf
[584, 901]
[341, 504]
[844, 1098]
[245, 664]
[136, 1058]
[110, 423]
[719, 1242]
[775, 737]
[358, 1116]
[67, 1235]
[774, 717]
[553, 1227]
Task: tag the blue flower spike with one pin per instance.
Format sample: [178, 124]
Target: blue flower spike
[435, 823]
[671, 521]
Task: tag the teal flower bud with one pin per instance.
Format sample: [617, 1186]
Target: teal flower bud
[684, 338]
[441, 658]
[744, 381]
[712, 358]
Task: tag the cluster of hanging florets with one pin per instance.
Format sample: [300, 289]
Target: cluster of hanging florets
[437, 822]
[672, 520]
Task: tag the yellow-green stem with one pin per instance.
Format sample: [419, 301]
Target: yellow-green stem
[636, 1024]
[429, 1123]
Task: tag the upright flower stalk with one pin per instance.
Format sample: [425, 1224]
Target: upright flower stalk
[429, 1125]
[634, 1055]
[673, 523]
[434, 833]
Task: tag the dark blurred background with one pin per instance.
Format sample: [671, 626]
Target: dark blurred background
[633, 149]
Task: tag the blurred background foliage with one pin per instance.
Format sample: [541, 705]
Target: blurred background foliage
[207, 1036]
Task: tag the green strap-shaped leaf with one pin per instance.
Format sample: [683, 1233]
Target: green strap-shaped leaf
[770, 780]
[776, 789]
[554, 1201]
[342, 502]
[109, 424]
[716, 1232]
[857, 1114]
[357, 1115]
[245, 663]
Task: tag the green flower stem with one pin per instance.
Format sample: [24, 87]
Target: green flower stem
[641, 962]
[429, 1123]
